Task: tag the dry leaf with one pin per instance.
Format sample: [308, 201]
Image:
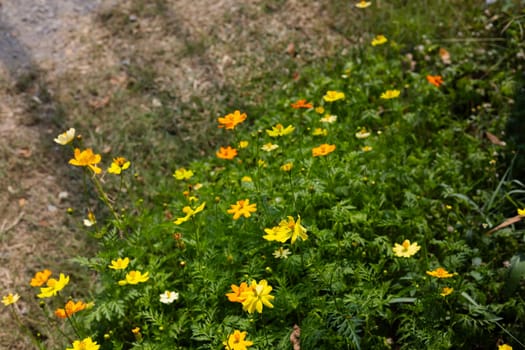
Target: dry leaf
[22, 202]
[24, 152]
[494, 139]
[506, 223]
[291, 49]
[99, 103]
[445, 56]
[295, 337]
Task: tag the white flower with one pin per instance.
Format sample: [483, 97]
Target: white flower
[169, 297]
[66, 137]
[282, 253]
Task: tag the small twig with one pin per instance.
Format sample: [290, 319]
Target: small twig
[4, 229]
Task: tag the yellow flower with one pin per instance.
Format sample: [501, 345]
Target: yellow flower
[53, 286]
[280, 130]
[237, 291]
[268, 147]
[182, 174]
[389, 94]
[119, 264]
[405, 249]
[118, 165]
[441, 273]
[319, 110]
[226, 153]
[323, 150]
[363, 4]
[320, 132]
[332, 96]
[85, 344]
[243, 144]
[362, 134]
[521, 212]
[134, 277]
[91, 219]
[70, 309]
[504, 347]
[446, 291]
[66, 137]
[236, 341]
[86, 158]
[287, 167]
[135, 330]
[379, 40]
[330, 119]
[230, 121]
[257, 296]
[366, 148]
[246, 179]
[40, 278]
[281, 253]
[242, 207]
[287, 229]
[189, 213]
[261, 163]
[10, 299]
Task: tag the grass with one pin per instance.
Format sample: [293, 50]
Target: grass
[416, 167]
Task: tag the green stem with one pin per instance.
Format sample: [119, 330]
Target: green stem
[26, 330]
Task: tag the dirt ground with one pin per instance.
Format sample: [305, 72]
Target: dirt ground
[52, 55]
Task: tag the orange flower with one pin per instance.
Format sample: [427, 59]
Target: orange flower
[40, 278]
[441, 273]
[86, 158]
[301, 104]
[235, 296]
[322, 150]
[226, 153]
[242, 208]
[435, 80]
[70, 309]
[231, 120]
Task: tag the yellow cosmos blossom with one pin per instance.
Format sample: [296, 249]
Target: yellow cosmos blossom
[134, 277]
[366, 148]
[182, 174]
[280, 130]
[40, 278]
[379, 40]
[236, 341]
[258, 296]
[10, 299]
[246, 179]
[405, 249]
[320, 132]
[85, 344]
[230, 121]
[237, 290]
[86, 158]
[70, 308]
[319, 110]
[91, 219]
[504, 347]
[243, 144]
[189, 213]
[362, 134]
[323, 150]
[53, 286]
[330, 119]
[287, 167]
[332, 96]
[65, 137]
[268, 147]
[521, 212]
[119, 264]
[363, 4]
[242, 208]
[441, 273]
[287, 229]
[446, 291]
[282, 253]
[390, 94]
[118, 165]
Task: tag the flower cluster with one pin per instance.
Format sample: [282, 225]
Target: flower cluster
[287, 229]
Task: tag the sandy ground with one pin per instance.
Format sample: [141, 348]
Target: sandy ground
[52, 53]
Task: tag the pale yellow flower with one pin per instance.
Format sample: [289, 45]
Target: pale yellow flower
[363, 4]
[366, 148]
[10, 299]
[405, 249]
[330, 119]
[65, 137]
[268, 147]
[281, 253]
[362, 134]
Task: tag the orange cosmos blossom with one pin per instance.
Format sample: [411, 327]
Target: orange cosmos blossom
[40, 278]
[435, 80]
[226, 152]
[231, 120]
[323, 150]
[70, 309]
[86, 158]
[235, 296]
[301, 104]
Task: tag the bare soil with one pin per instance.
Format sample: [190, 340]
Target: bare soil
[73, 62]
